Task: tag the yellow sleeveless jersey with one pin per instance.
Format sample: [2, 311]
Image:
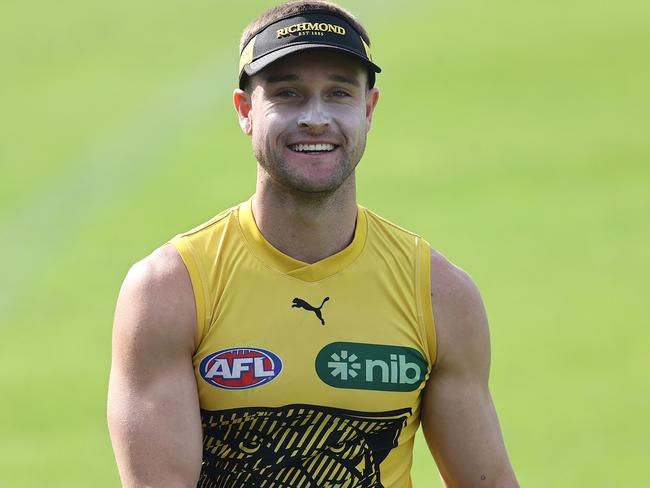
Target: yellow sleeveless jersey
[309, 375]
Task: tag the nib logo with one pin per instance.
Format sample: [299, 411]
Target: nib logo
[371, 366]
[345, 367]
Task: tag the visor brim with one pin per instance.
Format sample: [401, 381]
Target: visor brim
[263, 62]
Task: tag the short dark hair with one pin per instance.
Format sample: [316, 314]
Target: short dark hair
[295, 7]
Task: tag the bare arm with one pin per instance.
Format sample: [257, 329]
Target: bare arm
[153, 409]
[458, 417]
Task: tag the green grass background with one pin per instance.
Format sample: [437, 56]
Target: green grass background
[513, 135]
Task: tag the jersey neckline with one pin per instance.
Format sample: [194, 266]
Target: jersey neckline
[285, 264]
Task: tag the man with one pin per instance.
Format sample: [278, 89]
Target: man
[290, 340]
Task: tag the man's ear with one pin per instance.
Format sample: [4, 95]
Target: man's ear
[372, 97]
[243, 105]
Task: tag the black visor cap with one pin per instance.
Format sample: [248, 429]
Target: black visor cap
[306, 31]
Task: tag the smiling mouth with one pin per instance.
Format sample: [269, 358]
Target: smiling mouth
[312, 148]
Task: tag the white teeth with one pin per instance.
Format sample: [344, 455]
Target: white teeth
[311, 147]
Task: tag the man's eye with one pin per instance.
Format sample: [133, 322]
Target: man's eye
[340, 93]
[287, 94]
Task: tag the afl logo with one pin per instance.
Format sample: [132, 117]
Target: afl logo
[239, 368]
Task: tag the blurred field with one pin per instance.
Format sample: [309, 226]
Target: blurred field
[513, 135]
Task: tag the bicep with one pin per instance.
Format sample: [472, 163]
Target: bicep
[153, 410]
[155, 427]
[461, 428]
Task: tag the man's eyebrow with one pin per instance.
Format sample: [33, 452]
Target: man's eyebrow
[281, 78]
[344, 79]
[293, 78]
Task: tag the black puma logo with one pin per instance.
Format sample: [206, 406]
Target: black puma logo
[300, 303]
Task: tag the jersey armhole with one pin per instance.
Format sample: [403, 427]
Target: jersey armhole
[184, 248]
[425, 309]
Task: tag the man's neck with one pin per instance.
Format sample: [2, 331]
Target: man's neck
[307, 227]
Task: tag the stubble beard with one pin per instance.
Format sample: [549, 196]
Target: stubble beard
[277, 169]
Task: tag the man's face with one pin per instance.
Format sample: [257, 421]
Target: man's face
[309, 115]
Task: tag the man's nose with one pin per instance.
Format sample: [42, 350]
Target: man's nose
[315, 116]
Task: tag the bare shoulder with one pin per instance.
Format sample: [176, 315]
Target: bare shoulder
[460, 318]
[164, 264]
[156, 299]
